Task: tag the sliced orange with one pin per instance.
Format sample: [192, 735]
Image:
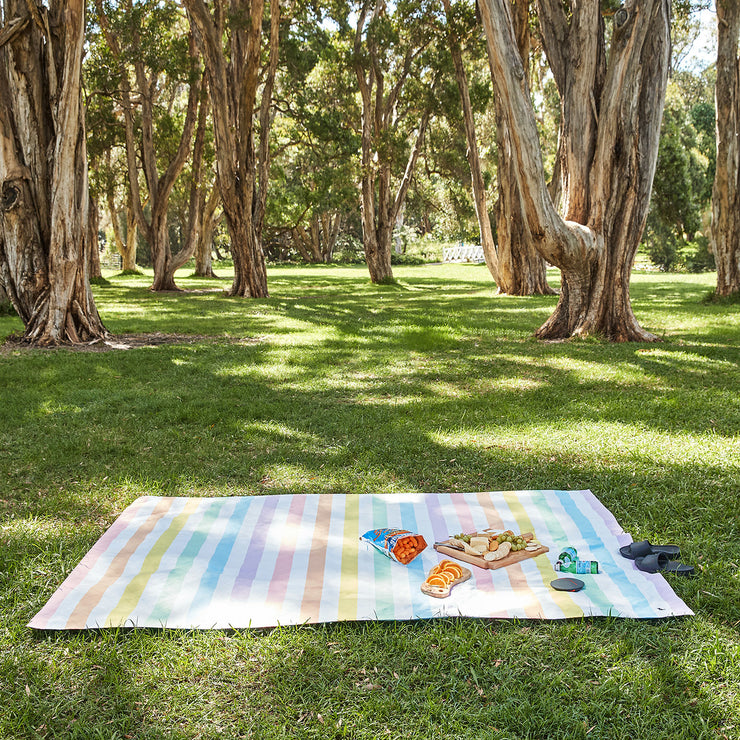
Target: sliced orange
[439, 580]
[454, 569]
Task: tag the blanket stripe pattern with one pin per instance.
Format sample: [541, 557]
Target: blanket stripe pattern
[264, 561]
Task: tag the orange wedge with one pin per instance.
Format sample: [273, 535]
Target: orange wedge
[454, 569]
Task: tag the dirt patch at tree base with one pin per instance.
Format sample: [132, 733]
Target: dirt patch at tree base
[118, 342]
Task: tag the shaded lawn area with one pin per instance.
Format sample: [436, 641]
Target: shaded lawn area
[335, 385]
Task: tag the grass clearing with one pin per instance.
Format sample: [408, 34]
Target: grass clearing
[335, 385]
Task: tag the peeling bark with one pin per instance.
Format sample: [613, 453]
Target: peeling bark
[243, 169]
[159, 185]
[479, 190]
[595, 251]
[726, 192]
[44, 250]
[204, 247]
[521, 269]
[379, 205]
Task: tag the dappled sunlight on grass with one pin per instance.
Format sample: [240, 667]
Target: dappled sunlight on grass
[336, 385]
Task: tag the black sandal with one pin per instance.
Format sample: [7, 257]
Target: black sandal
[658, 562]
[644, 548]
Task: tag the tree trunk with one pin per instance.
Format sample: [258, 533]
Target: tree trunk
[44, 254]
[521, 269]
[595, 254]
[128, 248]
[242, 172]
[93, 227]
[115, 220]
[726, 193]
[159, 187]
[479, 190]
[203, 259]
[379, 207]
[196, 202]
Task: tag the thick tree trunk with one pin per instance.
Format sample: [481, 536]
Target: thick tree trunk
[242, 172]
[521, 269]
[595, 254]
[479, 189]
[44, 253]
[726, 193]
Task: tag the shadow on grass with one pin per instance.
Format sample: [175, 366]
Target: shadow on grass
[355, 388]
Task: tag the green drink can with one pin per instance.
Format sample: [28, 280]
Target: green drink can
[569, 555]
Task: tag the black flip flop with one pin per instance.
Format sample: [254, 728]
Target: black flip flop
[658, 563]
[644, 548]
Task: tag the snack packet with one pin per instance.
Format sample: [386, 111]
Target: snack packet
[398, 544]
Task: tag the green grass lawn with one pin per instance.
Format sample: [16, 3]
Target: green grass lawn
[335, 385]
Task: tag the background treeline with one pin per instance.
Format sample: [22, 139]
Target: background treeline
[151, 142]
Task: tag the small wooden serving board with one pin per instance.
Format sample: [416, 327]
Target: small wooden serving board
[510, 559]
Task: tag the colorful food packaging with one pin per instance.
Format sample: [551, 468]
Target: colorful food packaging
[398, 544]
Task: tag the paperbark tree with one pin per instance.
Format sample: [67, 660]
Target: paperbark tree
[616, 132]
[521, 269]
[230, 37]
[479, 189]
[93, 239]
[726, 192]
[197, 199]
[317, 243]
[380, 93]
[44, 253]
[150, 82]
[209, 217]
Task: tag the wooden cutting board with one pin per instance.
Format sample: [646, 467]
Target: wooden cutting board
[510, 559]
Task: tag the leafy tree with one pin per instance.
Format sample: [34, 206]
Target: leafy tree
[386, 50]
[154, 66]
[314, 164]
[683, 181]
[230, 36]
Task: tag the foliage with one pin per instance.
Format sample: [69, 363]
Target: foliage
[334, 384]
[683, 184]
[314, 145]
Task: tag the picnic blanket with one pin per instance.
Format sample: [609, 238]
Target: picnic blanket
[263, 561]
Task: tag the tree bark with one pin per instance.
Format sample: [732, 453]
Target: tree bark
[203, 259]
[242, 171]
[521, 269]
[115, 219]
[44, 252]
[159, 187]
[196, 202]
[93, 226]
[379, 205]
[128, 250]
[726, 192]
[594, 253]
[479, 189]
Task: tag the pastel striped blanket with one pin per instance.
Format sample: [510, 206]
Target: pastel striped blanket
[263, 561]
